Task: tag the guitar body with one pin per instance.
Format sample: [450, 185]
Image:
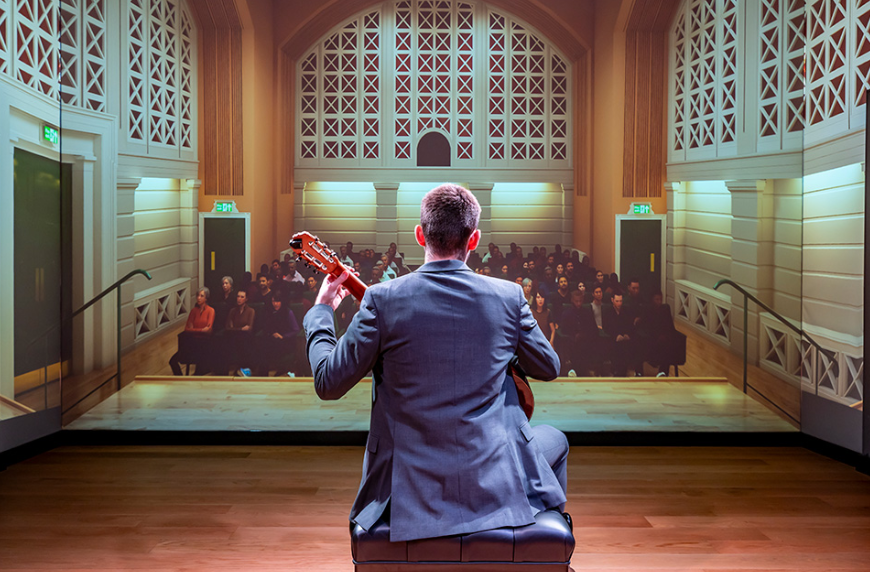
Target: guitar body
[317, 255]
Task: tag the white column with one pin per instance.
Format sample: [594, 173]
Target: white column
[387, 213]
[751, 255]
[126, 249]
[567, 239]
[676, 238]
[298, 206]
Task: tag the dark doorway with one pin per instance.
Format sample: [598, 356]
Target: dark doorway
[43, 269]
[224, 249]
[640, 253]
[433, 150]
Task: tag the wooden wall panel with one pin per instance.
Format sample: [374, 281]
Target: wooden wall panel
[646, 95]
[221, 58]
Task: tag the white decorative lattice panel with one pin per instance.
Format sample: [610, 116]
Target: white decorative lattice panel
[678, 103]
[36, 52]
[827, 53]
[4, 36]
[187, 78]
[794, 77]
[861, 51]
[70, 51]
[163, 74]
[769, 68]
[94, 55]
[161, 56]
[528, 93]
[350, 111]
[137, 70]
[726, 102]
[701, 77]
[82, 27]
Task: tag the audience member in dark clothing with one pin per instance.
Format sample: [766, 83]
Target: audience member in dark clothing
[544, 316]
[225, 302]
[578, 335]
[238, 332]
[275, 340]
[199, 324]
[313, 286]
[634, 303]
[559, 298]
[657, 327]
[264, 292]
[619, 325]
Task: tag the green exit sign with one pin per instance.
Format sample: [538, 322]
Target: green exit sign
[50, 134]
[642, 208]
[225, 207]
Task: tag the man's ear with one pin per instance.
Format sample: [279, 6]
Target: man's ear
[474, 240]
[418, 234]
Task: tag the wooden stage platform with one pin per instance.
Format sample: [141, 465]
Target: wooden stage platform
[285, 404]
[280, 509]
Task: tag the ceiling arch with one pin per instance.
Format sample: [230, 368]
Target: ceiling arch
[567, 23]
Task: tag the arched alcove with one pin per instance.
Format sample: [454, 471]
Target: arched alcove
[433, 150]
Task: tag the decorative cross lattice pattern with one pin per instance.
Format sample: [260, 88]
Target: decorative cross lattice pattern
[436, 84]
[826, 62]
[82, 26]
[781, 78]
[341, 93]
[679, 95]
[36, 54]
[727, 72]
[796, 40]
[4, 36]
[160, 60]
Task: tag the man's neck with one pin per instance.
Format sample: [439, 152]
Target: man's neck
[432, 257]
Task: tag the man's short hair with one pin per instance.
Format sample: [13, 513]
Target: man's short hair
[448, 216]
[576, 294]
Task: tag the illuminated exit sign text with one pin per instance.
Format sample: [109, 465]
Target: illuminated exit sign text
[50, 134]
[641, 208]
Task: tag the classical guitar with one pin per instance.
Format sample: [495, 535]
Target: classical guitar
[311, 251]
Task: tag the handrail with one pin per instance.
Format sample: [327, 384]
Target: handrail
[93, 301]
[116, 287]
[117, 284]
[798, 331]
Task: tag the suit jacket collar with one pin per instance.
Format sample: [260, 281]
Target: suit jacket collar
[444, 266]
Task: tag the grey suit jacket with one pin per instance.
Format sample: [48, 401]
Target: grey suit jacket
[449, 446]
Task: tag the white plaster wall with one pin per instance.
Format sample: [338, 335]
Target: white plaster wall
[787, 230]
[833, 253]
[706, 232]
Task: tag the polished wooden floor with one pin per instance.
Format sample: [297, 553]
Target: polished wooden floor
[276, 404]
[268, 509]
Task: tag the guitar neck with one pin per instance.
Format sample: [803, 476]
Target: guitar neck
[354, 285]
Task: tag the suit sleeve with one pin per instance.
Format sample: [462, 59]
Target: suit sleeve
[338, 365]
[537, 357]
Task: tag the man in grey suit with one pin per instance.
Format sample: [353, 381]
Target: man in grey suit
[449, 449]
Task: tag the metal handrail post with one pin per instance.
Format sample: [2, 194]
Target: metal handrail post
[118, 298]
[745, 342]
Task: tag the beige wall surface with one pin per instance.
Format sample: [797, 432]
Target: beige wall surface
[833, 254]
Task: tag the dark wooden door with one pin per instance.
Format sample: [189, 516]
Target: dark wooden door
[43, 263]
[224, 250]
[640, 248]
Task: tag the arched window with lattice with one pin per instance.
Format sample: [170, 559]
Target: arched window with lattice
[494, 87]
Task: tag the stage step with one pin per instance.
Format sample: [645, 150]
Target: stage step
[231, 378]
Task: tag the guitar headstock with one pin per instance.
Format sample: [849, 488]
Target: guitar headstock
[312, 251]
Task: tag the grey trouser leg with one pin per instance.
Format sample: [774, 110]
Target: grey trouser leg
[554, 446]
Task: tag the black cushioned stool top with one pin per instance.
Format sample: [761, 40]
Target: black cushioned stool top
[544, 546]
